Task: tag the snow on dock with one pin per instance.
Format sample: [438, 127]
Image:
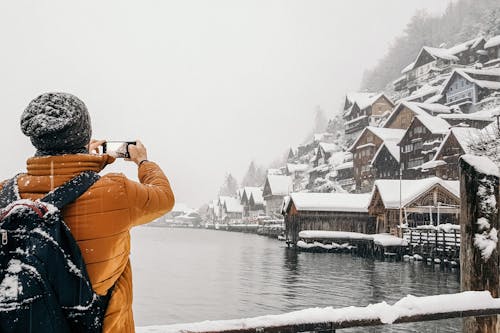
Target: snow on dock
[384, 240]
[453, 305]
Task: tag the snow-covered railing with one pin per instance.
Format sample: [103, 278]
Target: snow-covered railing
[408, 310]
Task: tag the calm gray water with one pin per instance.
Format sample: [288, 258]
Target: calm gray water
[189, 275]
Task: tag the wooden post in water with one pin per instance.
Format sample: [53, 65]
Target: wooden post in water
[479, 221]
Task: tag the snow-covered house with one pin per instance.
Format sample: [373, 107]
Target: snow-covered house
[479, 119]
[275, 189]
[327, 212]
[492, 47]
[385, 163]
[256, 204]
[232, 211]
[457, 142]
[364, 149]
[403, 114]
[414, 202]
[466, 87]
[345, 176]
[432, 61]
[296, 170]
[364, 109]
[249, 209]
[420, 143]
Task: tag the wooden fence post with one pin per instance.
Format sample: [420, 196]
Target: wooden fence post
[479, 221]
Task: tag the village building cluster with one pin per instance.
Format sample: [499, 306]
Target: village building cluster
[396, 164]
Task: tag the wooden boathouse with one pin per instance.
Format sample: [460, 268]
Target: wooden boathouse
[327, 212]
[412, 203]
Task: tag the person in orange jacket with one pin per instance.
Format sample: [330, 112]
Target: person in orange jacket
[58, 125]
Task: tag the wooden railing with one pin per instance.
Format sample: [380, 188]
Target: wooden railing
[408, 310]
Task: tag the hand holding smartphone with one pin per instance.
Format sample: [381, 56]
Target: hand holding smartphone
[117, 149]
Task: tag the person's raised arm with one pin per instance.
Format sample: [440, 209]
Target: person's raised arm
[153, 196]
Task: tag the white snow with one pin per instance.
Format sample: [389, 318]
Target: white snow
[493, 41]
[410, 189]
[486, 242]
[482, 164]
[330, 202]
[387, 314]
[320, 234]
[388, 240]
[280, 185]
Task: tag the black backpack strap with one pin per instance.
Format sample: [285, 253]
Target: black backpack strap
[71, 190]
[9, 193]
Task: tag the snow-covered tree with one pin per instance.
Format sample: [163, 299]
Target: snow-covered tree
[320, 120]
[229, 187]
[255, 176]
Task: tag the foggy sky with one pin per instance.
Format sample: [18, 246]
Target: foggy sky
[207, 85]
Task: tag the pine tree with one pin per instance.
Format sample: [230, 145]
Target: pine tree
[255, 176]
[229, 187]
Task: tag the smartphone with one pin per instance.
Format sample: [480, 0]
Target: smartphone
[117, 149]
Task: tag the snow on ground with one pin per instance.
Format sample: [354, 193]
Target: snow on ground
[387, 314]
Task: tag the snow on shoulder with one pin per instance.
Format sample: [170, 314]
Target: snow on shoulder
[409, 306]
[482, 164]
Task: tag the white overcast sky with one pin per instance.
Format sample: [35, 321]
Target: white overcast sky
[207, 85]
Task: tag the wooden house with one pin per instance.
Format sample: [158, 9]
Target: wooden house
[385, 163]
[275, 189]
[414, 202]
[456, 143]
[364, 109]
[256, 204]
[466, 87]
[403, 114]
[432, 61]
[245, 199]
[345, 176]
[419, 144]
[232, 211]
[492, 48]
[364, 149]
[478, 120]
[327, 212]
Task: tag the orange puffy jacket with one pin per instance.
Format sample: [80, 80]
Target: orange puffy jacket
[101, 219]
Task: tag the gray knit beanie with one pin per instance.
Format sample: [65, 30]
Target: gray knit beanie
[57, 123]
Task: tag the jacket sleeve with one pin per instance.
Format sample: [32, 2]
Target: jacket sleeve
[152, 197]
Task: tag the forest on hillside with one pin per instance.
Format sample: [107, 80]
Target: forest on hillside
[462, 21]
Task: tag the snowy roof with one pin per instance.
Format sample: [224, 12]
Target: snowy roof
[493, 41]
[222, 199]
[257, 197]
[413, 106]
[484, 115]
[330, 202]
[248, 190]
[338, 157]
[465, 136]
[346, 165]
[434, 107]
[465, 45]
[435, 125]
[392, 147]
[482, 164]
[425, 90]
[469, 74]
[437, 52]
[408, 68]
[411, 189]
[364, 99]
[385, 134]
[232, 205]
[292, 168]
[280, 185]
[328, 147]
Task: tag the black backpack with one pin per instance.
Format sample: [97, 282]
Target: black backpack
[44, 285]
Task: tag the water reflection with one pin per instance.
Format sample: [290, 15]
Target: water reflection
[205, 275]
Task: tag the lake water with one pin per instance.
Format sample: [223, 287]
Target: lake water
[190, 275]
